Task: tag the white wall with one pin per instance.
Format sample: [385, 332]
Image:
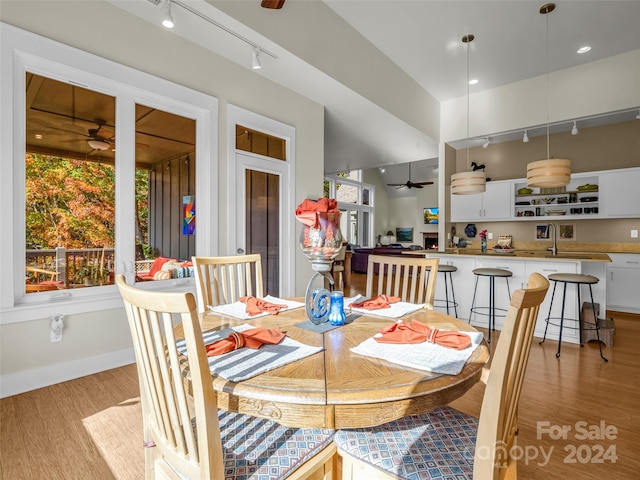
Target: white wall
[590, 89]
[98, 340]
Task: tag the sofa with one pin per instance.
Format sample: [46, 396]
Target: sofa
[360, 257]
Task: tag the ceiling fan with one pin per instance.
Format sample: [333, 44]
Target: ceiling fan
[99, 141]
[409, 184]
[273, 4]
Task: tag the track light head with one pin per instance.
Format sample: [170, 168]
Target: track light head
[638, 115]
[167, 18]
[255, 63]
[525, 137]
[486, 143]
[574, 130]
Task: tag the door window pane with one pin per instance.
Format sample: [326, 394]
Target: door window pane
[261, 143]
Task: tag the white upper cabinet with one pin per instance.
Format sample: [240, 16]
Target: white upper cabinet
[620, 193]
[494, 204]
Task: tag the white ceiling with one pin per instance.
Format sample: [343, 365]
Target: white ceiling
[423, 38]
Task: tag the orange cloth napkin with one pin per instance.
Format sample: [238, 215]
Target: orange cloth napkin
[381, 301]
[256, 306]
[418, 332]
[252, 338]
[307, 211]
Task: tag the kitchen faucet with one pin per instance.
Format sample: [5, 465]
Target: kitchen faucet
[554, 246]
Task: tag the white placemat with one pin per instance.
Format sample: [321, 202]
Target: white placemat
[246, 362]
[395, 310]
[423, 356]
[239, 309]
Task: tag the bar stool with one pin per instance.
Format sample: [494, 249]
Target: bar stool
[491, 273]
[576, 279]
[447, 270]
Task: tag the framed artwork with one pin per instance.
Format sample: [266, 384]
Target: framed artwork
[189, 215]
[430, 215]
[542, 232]
[404, 235]
[566, 231]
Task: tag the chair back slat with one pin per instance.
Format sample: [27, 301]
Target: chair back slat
[498, 417]
[222, 280]
[404, 277]
[167, 406]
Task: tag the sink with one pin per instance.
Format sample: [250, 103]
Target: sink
[569, 255]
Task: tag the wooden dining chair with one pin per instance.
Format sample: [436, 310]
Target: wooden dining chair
[222, 280]
[447, 443]
[337, 268]
[402, 276]
[185, 434]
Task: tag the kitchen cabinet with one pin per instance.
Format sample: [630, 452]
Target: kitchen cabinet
[522, 268]
[623, 277]
[571, 304]
[621, 193]
[572, 203]
[461, 279]
[493, 204]
[502, 293]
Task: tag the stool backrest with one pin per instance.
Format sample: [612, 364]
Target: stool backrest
[403, 276]
[498, 417]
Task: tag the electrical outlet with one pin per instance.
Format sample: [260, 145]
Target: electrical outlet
[56, 327]
[489, 236]
[634, 233]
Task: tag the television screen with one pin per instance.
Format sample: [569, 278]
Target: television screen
[430, 215]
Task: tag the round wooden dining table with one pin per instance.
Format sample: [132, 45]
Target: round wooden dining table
[337, 388]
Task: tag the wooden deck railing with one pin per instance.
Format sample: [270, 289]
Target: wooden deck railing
[70, 267]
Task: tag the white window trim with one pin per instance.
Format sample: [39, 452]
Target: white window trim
[22, 51]
[240, 116]
[358, 207]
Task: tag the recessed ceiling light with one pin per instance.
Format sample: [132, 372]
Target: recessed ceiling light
[473, 81]
[584, 49]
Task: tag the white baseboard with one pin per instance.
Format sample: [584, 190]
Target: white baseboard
[25, 381]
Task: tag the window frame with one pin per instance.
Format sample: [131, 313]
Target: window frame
[22, 51]
[333, 180]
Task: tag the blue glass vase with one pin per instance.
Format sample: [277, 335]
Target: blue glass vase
[336, 309]
[483, 244]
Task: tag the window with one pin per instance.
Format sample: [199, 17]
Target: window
[109, 137]
[356, 202]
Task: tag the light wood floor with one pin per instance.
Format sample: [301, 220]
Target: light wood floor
[90, 428]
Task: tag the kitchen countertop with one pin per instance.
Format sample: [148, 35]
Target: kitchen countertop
[522, 254]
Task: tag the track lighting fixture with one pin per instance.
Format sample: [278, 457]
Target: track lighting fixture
[525, 137]
[574, 130]
[167, 18]
[638, 115]
[255, 63]
[486, 143]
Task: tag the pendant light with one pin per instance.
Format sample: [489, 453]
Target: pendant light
[470, 182]
[552, 172]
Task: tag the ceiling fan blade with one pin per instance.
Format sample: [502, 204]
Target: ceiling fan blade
[423, 183]
[273, 4]
[396, 184]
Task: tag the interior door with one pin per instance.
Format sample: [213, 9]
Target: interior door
[259, 216]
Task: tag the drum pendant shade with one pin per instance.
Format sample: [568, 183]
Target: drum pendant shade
[466, 183]
[553, 172]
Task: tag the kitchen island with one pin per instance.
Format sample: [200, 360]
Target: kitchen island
[522, 263]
